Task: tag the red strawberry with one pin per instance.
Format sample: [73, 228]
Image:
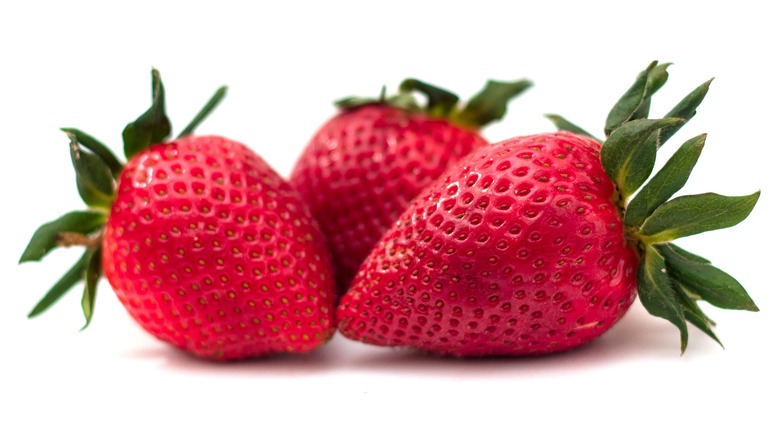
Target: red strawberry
[365, 165]
[207, 247]
[528, 246]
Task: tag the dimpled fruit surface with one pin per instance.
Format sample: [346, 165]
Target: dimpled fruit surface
[363, 167]
[517, 250]
[211, 251]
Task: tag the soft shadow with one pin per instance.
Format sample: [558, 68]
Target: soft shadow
[637, 337]
[320, 360]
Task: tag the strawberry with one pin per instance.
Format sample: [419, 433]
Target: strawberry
[364, 166]
[530, 246]
[205, 245]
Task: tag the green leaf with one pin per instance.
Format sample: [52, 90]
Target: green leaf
[685, 254]
[205, 111]
[694, 214]
[94, 180]
[693, 312]
[656, 79]
[671, 178]
[627, 105]
[47, 236]
[657, 294]
[66, 283]
[564, 125]
[91, 276]
[627, 157]
[490, 104]
[151, 127]
[100, 149]
[354, 102]
[706, 281]
[440, 101]
[686, 109]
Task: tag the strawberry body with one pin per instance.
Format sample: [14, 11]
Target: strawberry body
[209, 249]
[517, 250]
[364, 166]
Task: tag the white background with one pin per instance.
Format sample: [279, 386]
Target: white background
[87, 65]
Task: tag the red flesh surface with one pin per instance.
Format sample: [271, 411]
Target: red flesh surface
[364, 166]
[211, 251]
[517, 250]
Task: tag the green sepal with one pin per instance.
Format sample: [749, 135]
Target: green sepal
[74, 275]
[564, 125]
[671, 178]
[694, 214]
[91, 277]
[94, 180]
[686, 109]
[98, 148]
[656, 79]
[353, 102]
[685, 254]
[47, 237]
[693, 312]
[706, 281]
[657, 294]
[151, 127]
[440, 101]
[635, 99]
[490, 104]
[404, 101]
[205, 111]
[626, 155]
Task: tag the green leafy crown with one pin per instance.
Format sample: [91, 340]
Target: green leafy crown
[97, 172]
[670, 280]
[487, 106]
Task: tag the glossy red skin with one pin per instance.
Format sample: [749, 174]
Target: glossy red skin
[517, 250]
[363, 167]
[210, 250]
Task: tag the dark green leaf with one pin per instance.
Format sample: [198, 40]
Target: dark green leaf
[91, 277]
[657, 295]
[353, 102]
[686, 109]
[66, 283]
[688, 255]
[490, 104]
[706, 281]
[93, 177]
[656, 79]
[205, 111]
[46, 237]
[626, 156]
[693, 312]
[565, 125]
[665, 183]
[440, 101]
[151, 127]
[694, 214]
[627, 105]
[98, 148]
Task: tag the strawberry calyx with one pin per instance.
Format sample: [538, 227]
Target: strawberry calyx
[97, 170]
[670, 280]
[487, 106]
